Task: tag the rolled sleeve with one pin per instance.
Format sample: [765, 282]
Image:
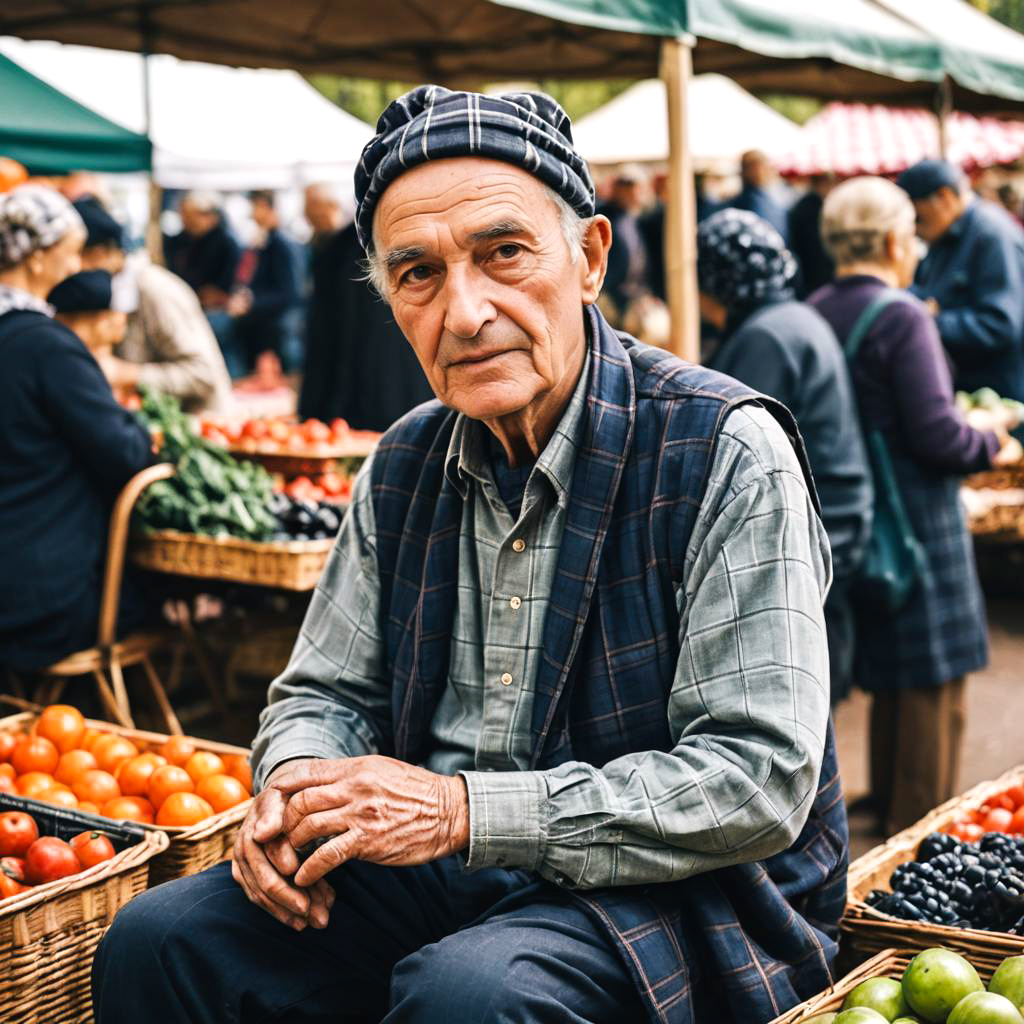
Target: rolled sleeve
[505, 819]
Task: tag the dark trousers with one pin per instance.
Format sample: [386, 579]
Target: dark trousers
[420, 944]
[840, 630]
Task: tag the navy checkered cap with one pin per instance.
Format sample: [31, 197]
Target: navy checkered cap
[527, 129]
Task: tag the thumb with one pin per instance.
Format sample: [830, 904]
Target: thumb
[269, 821]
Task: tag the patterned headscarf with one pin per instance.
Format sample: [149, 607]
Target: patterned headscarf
[528, 129]
[33, 217]
[742, 259]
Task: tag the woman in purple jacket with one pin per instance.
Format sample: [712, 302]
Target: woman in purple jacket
[915, 661]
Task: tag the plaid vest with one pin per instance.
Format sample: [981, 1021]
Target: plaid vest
[743, 943]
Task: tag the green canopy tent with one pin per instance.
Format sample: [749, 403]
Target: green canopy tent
[834, 49]
[50, 133]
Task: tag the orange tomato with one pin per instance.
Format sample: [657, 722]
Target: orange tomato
[62, 725]
[178, 749]
[73, 764]
[183, 809]
[1016, 794]
[7, 784]
[128, 808]
[7, 771]
[154, 759]
[165, 781]
[1005, 801]
[61, 796]
[89, 737]
[33, 784]
[96, 787]
[997, 820]
[238, 768]
[112, 750]
[35, 754]
[85, 805]
[92, 848]
[7, 742]
[203, 763]
[1017, 823]
[133, 775]
[221, 792]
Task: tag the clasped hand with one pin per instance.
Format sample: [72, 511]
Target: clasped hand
[365, 808]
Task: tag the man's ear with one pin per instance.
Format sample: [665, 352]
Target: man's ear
[597, 240]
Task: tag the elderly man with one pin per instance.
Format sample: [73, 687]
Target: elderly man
[972, 279]
[554, 741]
[169, 346]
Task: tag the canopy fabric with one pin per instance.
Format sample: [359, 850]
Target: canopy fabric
[724, 121]
[50, 133]
[849, 139]
[212, 126]
[834, 50]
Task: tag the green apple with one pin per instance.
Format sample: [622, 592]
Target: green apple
[936, 981]
[1008, 980]
[822, 1018]
[984, 1008]
[884, 995]
[860, 1015]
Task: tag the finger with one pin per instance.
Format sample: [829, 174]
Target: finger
[282, 855]
[268, 881]
[325, 824]
[268, 815]
[310, 801]
[319, 908]
[252, 891]
[306, 774]
[328, 857]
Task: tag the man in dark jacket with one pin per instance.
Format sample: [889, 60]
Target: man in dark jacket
[785, 349]
[816, 266]
[358, 364]
[204, 253]
[972, 279]
[627, 261]
[758, 173]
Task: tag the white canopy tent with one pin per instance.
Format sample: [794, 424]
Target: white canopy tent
[724, 121]
[212, 126]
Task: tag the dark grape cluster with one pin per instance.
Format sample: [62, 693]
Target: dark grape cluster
[964, 885]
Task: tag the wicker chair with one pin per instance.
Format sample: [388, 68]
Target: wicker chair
[106, 661]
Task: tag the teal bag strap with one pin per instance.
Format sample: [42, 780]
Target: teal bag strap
[867, 319]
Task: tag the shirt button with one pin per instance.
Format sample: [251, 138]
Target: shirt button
[515, 602]
[519, 544]
[506, 679]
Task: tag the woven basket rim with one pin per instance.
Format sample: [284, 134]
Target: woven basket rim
[297, 547]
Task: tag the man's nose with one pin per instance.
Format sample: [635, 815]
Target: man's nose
[468, 307]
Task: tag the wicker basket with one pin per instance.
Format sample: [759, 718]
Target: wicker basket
[890, 963]
[290, 565]
[867, 931]
[193, 848]
[313, 462]
[49, 934]
[998, 479]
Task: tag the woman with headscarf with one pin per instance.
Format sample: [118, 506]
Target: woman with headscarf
[914, 661]
[784, 349]
[66, 446]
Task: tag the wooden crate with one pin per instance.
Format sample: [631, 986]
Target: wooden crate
[289, 565]
[867, 931]
[193, 848]
[49, 934]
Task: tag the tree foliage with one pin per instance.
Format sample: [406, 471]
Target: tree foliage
[1010, 12]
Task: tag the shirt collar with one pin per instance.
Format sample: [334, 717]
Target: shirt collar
[12, 299]
[468, 457]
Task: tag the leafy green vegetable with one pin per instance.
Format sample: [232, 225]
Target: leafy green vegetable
[212, 493]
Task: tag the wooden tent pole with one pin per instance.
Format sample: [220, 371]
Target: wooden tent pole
[681, 208]
[943, 108]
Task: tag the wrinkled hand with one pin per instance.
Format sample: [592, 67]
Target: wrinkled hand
[264, 861]
[371, 808]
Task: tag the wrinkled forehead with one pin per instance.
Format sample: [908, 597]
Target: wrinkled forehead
[457, 198]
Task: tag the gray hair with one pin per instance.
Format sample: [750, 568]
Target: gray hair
[573, 226]
[860, 214]
[204, 200]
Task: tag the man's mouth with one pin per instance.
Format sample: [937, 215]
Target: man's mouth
[482, 357]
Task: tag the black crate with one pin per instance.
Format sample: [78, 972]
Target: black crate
[66, 824]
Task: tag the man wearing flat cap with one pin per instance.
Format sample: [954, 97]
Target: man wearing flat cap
[972, 279]
[554, 742]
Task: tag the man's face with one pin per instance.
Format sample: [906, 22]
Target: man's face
[322, 212]
[263, 214]
[103, 257]
[937, 213]
[195, 221]
[482, 283]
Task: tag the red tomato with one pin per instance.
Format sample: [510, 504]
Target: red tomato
[278, 431]
[18, 832]
[50, 858]
[1005, 801]
[92, 848]
[315, 430]
[997, 820]
[232, 431]
[13, 867]
[1016, 794]
[332, 483]
[315, 494]
[10, 886]
[1017, 824]
[967, 831]
[255, 429]
[339, 428]
[299, 488]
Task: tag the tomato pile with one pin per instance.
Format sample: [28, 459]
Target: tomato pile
[938, 985]
[28, 859]
[62, 762]
[1001, 813]
[278, 436]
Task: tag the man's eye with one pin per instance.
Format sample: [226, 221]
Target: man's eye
[421, 272]
[508, 251]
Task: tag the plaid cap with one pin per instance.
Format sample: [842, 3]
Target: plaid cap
[527, 129]
[741, 258]
[33, 217]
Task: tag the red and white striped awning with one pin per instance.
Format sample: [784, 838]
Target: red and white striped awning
[852, 138]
